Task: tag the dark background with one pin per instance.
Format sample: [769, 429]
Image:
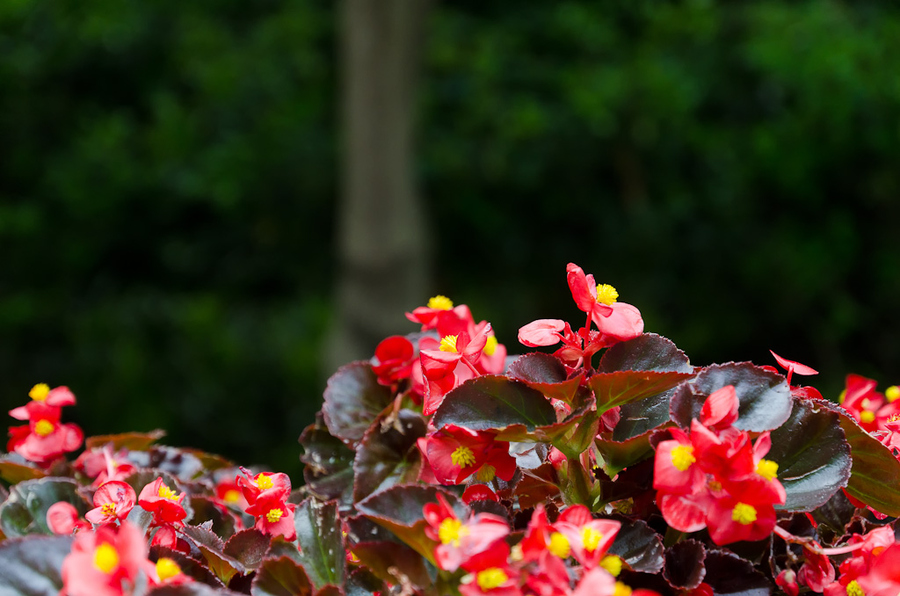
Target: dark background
[170, 176]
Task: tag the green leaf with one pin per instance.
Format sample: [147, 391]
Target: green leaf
[648, 351]
[363, 582]
[281, 577]
[623, 387]
[133, 441]
[31, 566]
[211, 546]
[389, 560]
[329, 464]
[765, 398]
[25, 510]
[730, 575]
[812, 454]
[399, 509]
[875, 474]
[387, 454]
[321, 543]
[492, 402]
[248, 546]
[14, 471]
[353, 398]
[618, 455]
[638, 418]
[638, 545]
[208, 510]
[684, 564]
[546, 374]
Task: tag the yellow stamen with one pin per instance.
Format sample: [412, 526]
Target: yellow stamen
[621, 590]
[767, 469]
[743, 514]
[231, 496]
[448, 343]
[39, 392]
[854, 589]
[491, 578]
[108, 509]
[274, 515]
[613, 564]
[440, 302]
[462, 457]
[606, 294]
[590, 538]
[867, 416]
[892, 393]
[106, 559]
[43, 427]
[166, 568]
[166, 493]
[842, 396]
[486, 473]
[559, 545]
[683, 457]
[451, 530]
[264, 482]
[491, 345]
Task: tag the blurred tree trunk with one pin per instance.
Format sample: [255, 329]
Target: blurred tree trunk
[383, 255]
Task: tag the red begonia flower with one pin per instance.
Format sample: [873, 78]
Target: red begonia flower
[596, 582]
[479, 492]
[44, 438]
[816, 571]
[584, 292]
[624, 323]
[274, 517]
[102, 465]
[439, 310]
[112, 502]
[675, 466]
[393, 360]
[106, 562]
[787, 581]
[542, 332]
[168, 573]
[747, 513]
[871, 409]
[455, 453]
[230, 494]
[264, 485]
[720, 410]
[549, 576]
[162, 502]
[491, 573]
[793, 367]
[588, 538]
[63, 519]
[459, 541]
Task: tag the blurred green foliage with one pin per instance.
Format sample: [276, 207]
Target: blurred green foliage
[168, 174]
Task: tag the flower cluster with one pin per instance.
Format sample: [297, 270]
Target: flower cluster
[607, 465]
[44, 438]
[713, 477]
[565, 558]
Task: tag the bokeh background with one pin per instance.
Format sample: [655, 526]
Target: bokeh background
[187, 190]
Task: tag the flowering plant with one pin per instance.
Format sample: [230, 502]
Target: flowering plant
[608, 466]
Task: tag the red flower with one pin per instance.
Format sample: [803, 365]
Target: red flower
[63, 519]
[439, 366]
[588, 538]
[168, 573]
[871, 409]
[264, 485]
[393, 360]
[438, 311]
[816, 571]
[102, 465]
[163, 503]
[793, 367]
[112, 502]
[106, 562]
[459, 541]
[274, 516]
[491, 573]
[44, 438]
[455, 453]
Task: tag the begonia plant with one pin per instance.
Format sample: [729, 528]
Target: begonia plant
[601, 462]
